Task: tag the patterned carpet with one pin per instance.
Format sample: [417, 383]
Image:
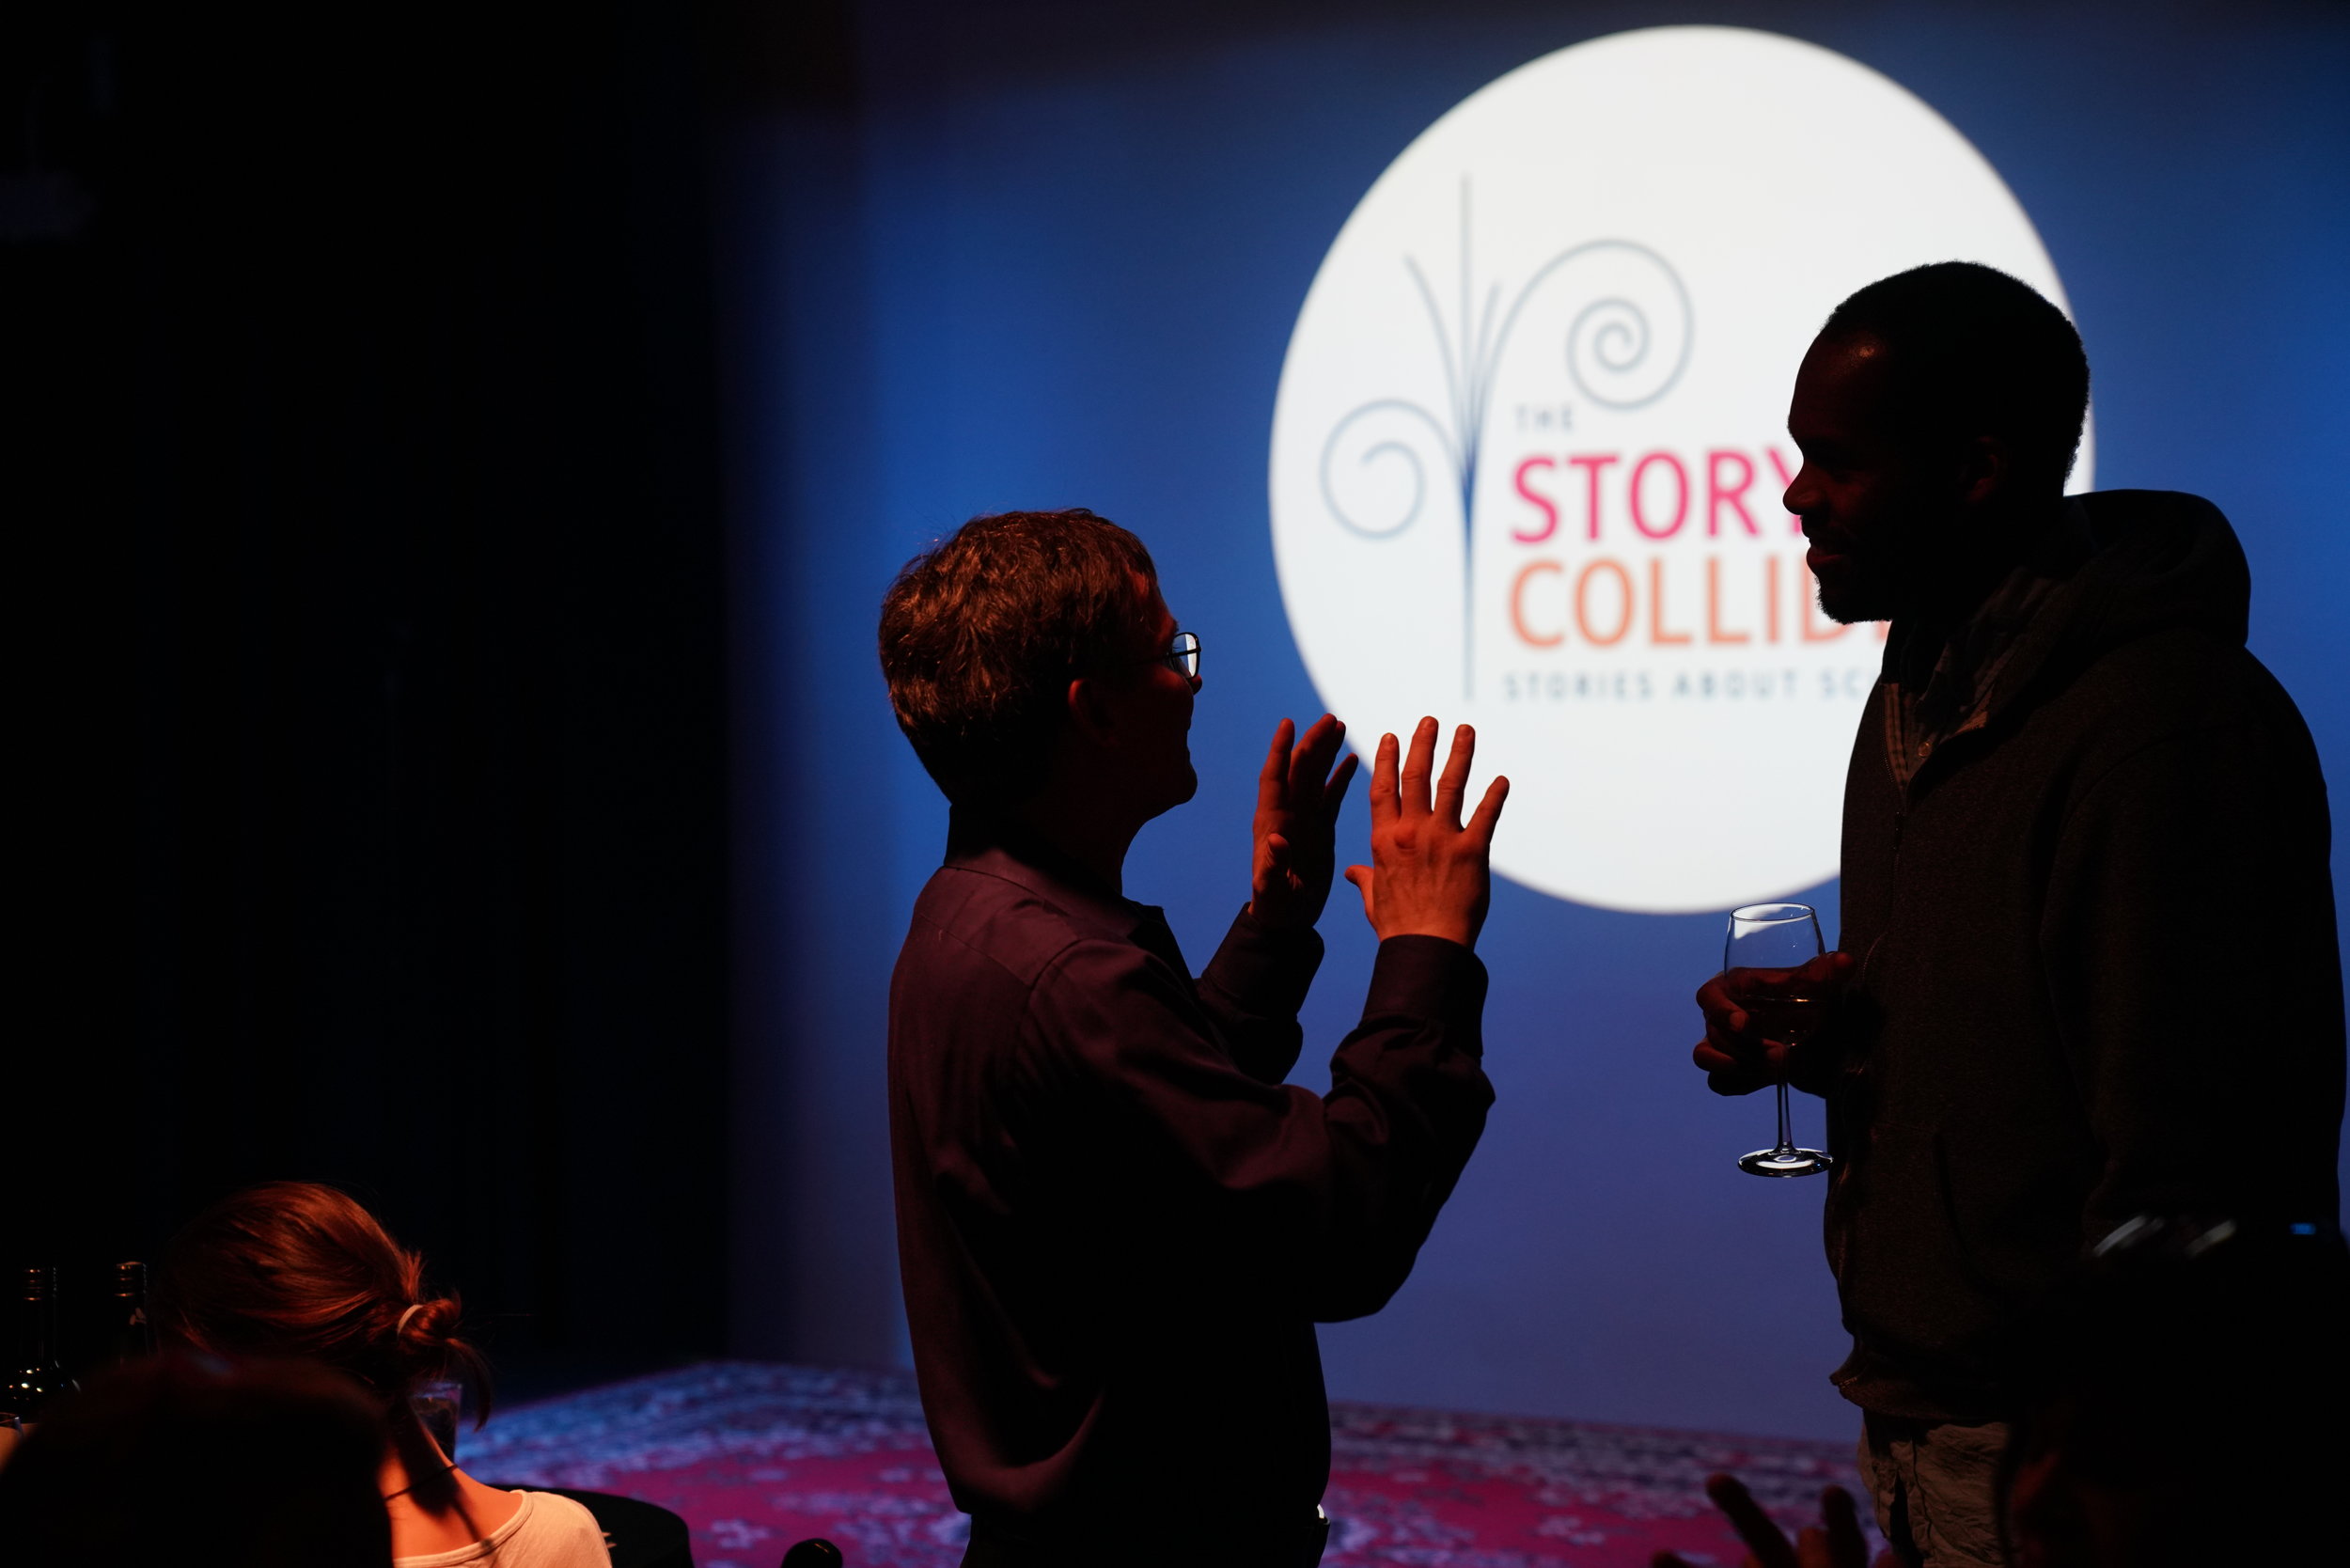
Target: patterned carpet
[757, 1456]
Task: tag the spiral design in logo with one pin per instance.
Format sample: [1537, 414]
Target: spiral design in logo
[1626, 350]
[1375, 466]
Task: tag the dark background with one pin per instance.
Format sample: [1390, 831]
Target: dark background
[364, 502]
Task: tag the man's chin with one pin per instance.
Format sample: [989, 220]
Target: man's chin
[1182, 784]
[1848, 598]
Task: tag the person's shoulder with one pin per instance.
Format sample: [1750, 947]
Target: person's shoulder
[546, 1530]
[2161, 611]
[2183, 681]
[2183, 705]
[554, 1532]
[978, 918]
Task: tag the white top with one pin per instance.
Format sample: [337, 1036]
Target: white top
[547, 1531]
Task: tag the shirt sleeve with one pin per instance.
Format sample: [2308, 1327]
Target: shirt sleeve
[1220, 1174]
[1253, 988]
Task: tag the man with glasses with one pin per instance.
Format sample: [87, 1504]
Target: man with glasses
[1116, 1225]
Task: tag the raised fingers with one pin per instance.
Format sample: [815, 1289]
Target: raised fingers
[1754, 1527]
[1310, 764]
[1452, 784]
[1487, 816]
[1845, 1546]
[1383, 803]
[1334, 793]
[1271, 777]
[1418, 767]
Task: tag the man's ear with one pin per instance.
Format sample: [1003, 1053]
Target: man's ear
[1091, 714]
[1985, 467]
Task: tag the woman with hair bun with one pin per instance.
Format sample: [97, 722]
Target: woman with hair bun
[295, 1269]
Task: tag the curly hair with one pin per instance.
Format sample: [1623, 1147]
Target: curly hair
[299, 1269]
[981, 635]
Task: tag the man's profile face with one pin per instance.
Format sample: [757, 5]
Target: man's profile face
[1876, 526]
[1157, 702]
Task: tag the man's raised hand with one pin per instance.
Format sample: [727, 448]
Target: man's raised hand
[1428, 873]
[1298, 797]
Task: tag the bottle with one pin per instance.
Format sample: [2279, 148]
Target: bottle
[34, 1377]
[129, 1337]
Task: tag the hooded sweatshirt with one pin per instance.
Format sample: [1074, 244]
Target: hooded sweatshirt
[2099, 975]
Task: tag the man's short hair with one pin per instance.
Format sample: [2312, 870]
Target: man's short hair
[1977, 352]
[981, 635]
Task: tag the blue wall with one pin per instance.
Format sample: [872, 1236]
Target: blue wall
[1045, 258]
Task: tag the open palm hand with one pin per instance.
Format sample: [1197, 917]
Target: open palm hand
[1298, 796]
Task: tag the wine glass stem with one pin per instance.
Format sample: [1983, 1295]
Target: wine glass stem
[1786, 1137]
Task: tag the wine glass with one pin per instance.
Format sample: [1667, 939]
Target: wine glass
[1767, 944]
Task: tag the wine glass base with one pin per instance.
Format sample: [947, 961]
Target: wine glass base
[1784, 1162]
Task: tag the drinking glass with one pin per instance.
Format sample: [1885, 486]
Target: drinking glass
[1767, 944]
[437, 1403]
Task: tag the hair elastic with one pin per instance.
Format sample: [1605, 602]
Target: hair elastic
[401, 1326]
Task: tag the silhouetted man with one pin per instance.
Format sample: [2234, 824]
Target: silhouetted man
[1117, 1226]
[2087, 940]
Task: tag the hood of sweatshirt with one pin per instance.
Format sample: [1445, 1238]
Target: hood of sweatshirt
[2163, 560]
[2151, 560]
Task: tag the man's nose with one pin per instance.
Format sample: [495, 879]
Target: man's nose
[1801, 499]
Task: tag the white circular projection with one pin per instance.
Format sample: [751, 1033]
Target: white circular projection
[1530, 440]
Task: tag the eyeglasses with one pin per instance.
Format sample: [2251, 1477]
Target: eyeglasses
[1181, 656]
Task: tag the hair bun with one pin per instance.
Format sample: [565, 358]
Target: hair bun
[429, 1323]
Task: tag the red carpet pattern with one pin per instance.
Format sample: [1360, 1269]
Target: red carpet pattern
[757, 1456]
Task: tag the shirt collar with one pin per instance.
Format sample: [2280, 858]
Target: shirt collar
[1989, 656]
[992, 843]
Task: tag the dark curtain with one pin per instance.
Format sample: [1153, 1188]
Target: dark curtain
[363, 500]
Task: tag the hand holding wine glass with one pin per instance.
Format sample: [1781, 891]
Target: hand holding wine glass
[1774, 979]
[1735, 1056]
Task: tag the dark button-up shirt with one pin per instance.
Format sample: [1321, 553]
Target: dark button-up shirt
[1117, 1226]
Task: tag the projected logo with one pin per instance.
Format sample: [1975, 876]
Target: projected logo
[1530, 439]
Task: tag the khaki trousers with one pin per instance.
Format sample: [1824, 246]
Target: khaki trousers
[1937, 1488]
